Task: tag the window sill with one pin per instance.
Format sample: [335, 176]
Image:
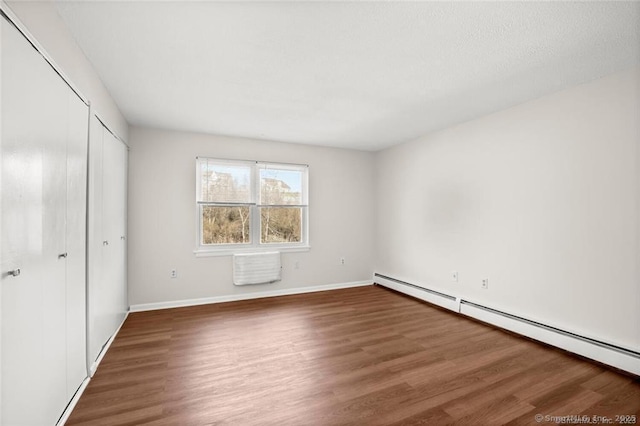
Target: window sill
[232, 251]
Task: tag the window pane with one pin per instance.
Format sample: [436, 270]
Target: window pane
[225, 225]
[225, 183]
[280, 187]
[280, 224]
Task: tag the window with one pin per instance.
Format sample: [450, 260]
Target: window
[249, 205]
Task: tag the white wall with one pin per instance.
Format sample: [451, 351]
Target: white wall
[43, 22]
[162, 221]
[543, 199]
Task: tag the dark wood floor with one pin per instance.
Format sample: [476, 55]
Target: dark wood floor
[361, 356]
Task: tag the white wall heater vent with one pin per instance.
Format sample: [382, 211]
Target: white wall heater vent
[256, 268]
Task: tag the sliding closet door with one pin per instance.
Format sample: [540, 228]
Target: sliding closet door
[76, 244]
[40, 115]
[107, 237]
[97, 314]
[114, 212]
[33, 328]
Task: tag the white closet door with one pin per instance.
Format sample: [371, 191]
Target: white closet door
[96, 312]
[114, 192]
[76, 238]
[35, 127]
[120, 262]
[33, 363]
[112, 226]
[107, 238]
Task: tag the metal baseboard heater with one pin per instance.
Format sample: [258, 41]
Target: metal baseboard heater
[616, 356]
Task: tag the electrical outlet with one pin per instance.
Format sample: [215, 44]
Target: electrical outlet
[342, 260]
[454, 276]
[174, 273]
[485, 283]
[296, 265]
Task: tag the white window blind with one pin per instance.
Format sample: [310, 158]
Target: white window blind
[282, 185]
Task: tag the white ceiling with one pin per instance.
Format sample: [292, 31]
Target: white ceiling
[356, 75]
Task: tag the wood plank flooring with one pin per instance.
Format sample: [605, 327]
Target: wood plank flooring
[360, 356]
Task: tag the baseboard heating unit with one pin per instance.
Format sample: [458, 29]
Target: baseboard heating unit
[623, 358]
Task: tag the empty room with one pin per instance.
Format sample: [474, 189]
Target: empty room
[319, 213]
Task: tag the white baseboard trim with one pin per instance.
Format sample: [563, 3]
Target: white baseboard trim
[244, 296]
[622, 358]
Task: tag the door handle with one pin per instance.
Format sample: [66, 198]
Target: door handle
[62, 255]
[14, 273]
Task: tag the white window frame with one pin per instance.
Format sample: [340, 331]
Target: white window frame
[205, 250]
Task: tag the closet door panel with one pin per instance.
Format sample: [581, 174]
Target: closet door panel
[34, 132]
[22, 209]
[51, 132]
[113, 222]
[121, 299]
[76, 220]
[107, 237]
[110, 219]
[96, 312]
